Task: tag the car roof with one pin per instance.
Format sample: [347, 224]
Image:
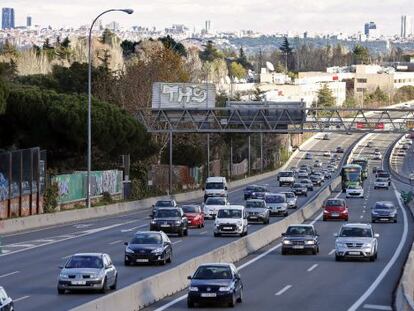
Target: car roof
[255, 200]
[216, 179]
[144, 232]
[89, 254]
[301, 225]
[233, 207]
[384, 202]
[169, 208]
[220, 264]
[357, 225]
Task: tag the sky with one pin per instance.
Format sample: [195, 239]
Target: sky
[265, 16]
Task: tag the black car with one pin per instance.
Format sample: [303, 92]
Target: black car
[6, 303]
[163, 204]
[215, 283]
[303, 238]
[299, 189]
[148, 247]
[254, 191]
[384, 211]
[339, 149]
[170, 220]
[316, 180]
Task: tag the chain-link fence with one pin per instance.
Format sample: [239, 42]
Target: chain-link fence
[22, 182]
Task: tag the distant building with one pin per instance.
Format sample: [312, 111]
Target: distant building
[370, 29]
[403, 26]
[7, 18]
[29, 21]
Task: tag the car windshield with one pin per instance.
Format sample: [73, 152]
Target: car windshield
[164, 204]
[383, 206]
[304, 181]
[354, 187]
[254, 204]
[167, 213]
[286, 174]
[260, 189]
[251, 188]
[215, 201]
[93, 262]
[333, 203]
[213, 273]
[299, 230]
[383, 175]
[356, 232]
[214, 185]
[382, 179]
[191, 209]
[289, 195]
[297, 186]
[229, 213]
[275, 199]
[147, 238]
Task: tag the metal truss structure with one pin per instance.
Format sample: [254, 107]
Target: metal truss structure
[280, 120]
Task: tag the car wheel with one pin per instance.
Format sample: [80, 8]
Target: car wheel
[395, 220]
[190, 304]
[373, 220]
[338, 258]
[127, 263]
[286, 213]
[169, 259]
[163, 262]
[372, 258]
[346, 219]
[232, 303]
[314, 251]
[181, 233]
[240, 299]
[113, 287]
[306, 194]
[104, 288]
[216, 234]
[323, 219]
[284, 251]
[318, 249]
[186, 232]
[61, 291]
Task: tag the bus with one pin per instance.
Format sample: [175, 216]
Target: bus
[351, 174]
[364, 165]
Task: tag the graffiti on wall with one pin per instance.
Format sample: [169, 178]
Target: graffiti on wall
[4, 188]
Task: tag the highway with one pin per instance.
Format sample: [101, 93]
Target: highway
[29, 267]
[316, 283]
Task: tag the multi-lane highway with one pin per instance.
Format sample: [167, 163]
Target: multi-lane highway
[306, 282]
[29, 265]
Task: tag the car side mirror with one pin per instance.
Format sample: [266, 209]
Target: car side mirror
[126, 243]
[60, 267]
[335, 235]
[283, 234]
[376, 235]
[153, 205]
[189, 277]
[225, 188]
[237, 277]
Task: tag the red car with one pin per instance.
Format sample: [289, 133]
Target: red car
[335, 209]
[194, 215]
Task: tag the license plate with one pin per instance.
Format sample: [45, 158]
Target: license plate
[142, 260]
[253, 217]
[335, 215]
[227, 228]
[208, 295]
[298, 247]
[78, 282]
[354, 253]
[165, 225]
[383, 219]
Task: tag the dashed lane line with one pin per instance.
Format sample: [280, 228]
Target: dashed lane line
[283, 290]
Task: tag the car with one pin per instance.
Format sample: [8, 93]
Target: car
[277, 204]
[259, 192]
[308, 156]
[331, 168]
[291, 199]
[87, 271]
[317, 163]
[286, 178]
[307, 183]
[294, 169]
[257, 211]
[408, 142]
[250, 190]
[215, 283]
[400, 153]
[377, 156]
[303, 174]
[305, 167]
[411, 177]
[303, 238]
[405, 147]
[370, 144]
[320, 174]
[300, 189]
[384, 174]
[170, 220]
[316, 180]
[212, 205]
[327, 154]
[354, 191]
[327, 174]
[356, 241]
[374, 169]
[339, 149]
[384, 211]
[162, 204]
[326, 137]
[381, 183]
[231, 219]
[335, 208]
[215, 187]
[376, 150]
[148, 247]
[194, 214]
[6, 303]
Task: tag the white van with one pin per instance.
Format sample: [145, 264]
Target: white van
[215, 187]
[231, 219]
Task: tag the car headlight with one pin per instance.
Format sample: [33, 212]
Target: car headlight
[310, 242]
[63, 276]
[153, 222]
[374, 213]
[158, 250]
[326, 212]
[287, 242]
[367, 245]
[339, 244]
[225, 289]
[178, 222]
[94, 276]
[239, 223]
[128, 250]
[193, 289]
[216, 224]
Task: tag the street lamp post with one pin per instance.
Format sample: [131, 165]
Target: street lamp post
[89, 156]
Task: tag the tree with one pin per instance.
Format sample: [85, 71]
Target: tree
[107, 36]
[403, 94]
[237, 70]
[286, 50]
[325, 97]
[191, 155]
[177, 47]
[210, 52]
[128, 47]
[4, 94]
[376, 98]
[242, 60]
[47, 45]
[65, 43]
[360, 55]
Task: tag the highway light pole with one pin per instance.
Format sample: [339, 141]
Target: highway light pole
[89, 153]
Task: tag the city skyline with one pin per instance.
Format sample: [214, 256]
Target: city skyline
[264, 16]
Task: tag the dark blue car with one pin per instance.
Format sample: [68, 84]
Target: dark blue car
[6, 303]
[218, 283]
[254, 192]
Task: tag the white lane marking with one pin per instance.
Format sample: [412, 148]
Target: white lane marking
[377, 307]
[331, 252]
[362, 216]
[66, 257]
[115, 242]
[8, 274]
[284, 289]
[44, 240]
[18, 245]
[203, 232]
[134, 228]
[21, 298]
[394, 258]
[313, 267]
[176, 242]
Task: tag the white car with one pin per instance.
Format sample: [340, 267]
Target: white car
[327, 154]
[355, 191]
[277, 204]
[303, 174]
[213, 204]
[377, 156]
[231, 219]
[381, 183]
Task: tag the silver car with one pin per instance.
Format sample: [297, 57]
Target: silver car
[257, 210]
[88, 271]
[291, 199]
[356, 241]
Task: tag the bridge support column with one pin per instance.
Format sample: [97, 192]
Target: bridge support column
[261, 152]
[171, 167]
[208, 154]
